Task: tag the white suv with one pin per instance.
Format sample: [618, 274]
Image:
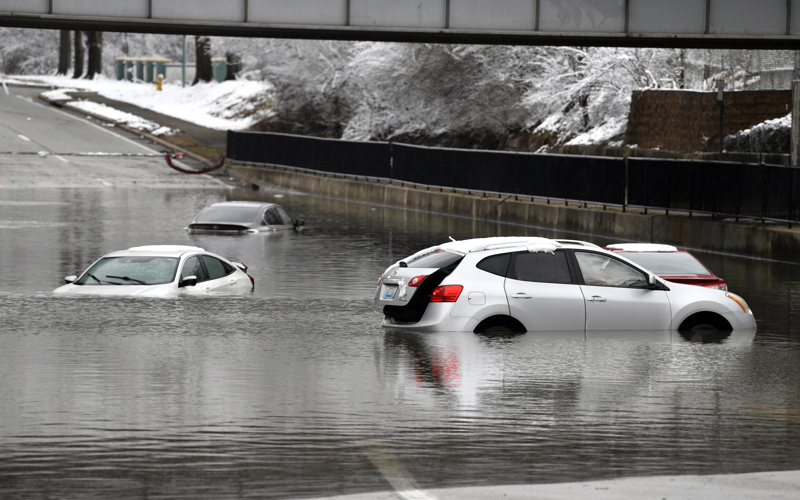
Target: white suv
[522, 284]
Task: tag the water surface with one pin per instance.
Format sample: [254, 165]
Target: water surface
[295, 391]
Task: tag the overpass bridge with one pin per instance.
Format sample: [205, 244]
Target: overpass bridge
[753, 24]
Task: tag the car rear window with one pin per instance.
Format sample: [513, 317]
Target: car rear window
[228, 214]
[667, 262]
[496, 264]
[436, 260]
[541, 267]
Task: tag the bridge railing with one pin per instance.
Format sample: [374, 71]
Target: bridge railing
[750, 191]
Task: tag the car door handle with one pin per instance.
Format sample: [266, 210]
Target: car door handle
[521, 295]
[233, 282]
[596, 298]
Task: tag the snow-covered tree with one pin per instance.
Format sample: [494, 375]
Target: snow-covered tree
[578, 89]
[309, 79]
[28, 51]
[426, 90]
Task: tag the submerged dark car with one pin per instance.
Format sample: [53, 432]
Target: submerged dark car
[243, 217]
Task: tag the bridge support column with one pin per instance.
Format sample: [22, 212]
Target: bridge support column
[795, 122]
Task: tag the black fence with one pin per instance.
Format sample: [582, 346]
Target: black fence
[757, 191]
[765, 192]
[371, 159]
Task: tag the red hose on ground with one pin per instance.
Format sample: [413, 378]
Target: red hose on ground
[219, 164]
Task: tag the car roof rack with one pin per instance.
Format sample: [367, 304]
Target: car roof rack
[578, 243]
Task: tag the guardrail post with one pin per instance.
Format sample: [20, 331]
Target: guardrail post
[625, 186]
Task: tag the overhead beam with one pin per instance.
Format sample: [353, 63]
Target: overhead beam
[755, 24]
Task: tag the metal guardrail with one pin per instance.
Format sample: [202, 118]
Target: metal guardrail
[725, 189]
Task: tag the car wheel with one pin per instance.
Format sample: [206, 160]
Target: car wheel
[500, 325]
[705, 322]
[498, 329]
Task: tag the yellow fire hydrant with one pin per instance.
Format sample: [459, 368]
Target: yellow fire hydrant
[159, 81]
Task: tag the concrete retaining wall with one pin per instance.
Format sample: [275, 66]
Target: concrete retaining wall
[752, 240]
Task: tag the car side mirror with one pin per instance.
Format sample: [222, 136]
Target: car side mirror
[654, 284]
[70, 279]
[299, 223]
[187, 281]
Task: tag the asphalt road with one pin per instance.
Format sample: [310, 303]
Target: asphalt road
[44, 146]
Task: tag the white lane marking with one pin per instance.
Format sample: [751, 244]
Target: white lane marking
[23, 137]
[392, 470]
[62, 158]
[98, 127]
[4, 87]
[104, 182]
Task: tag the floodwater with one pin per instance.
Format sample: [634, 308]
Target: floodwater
[295, 391]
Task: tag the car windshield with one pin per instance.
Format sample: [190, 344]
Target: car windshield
[130, 271]
[435, 260]
[228, 214]
[667, 262]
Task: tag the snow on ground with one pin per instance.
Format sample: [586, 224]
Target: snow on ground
[230, 105]
[122, 117]
[598, 135]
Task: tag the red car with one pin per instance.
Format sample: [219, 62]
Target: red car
[670, 263]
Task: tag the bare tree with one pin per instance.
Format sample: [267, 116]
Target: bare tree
[64, 52]
[234, 64]
[94, 41]
[78, 55]
[203, 70]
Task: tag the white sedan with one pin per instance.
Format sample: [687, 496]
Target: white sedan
[522, 284]
[160, 271]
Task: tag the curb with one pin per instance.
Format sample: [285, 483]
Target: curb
[151, 137]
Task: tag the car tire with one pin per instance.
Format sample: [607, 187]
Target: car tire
[500, 325]
[705, 323]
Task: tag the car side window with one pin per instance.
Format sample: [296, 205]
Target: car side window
[272, 217]
[193, 267]
[603, 270]
[542, 267]
[284, 216]
[216, 268]
[496, 264]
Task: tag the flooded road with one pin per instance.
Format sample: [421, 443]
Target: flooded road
[295, 391]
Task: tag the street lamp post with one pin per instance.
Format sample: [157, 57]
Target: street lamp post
[183, 63]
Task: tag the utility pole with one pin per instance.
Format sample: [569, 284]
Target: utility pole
[721, 100]
[796, 111]
[183, 63]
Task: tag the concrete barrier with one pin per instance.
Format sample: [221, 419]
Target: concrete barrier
[750, 239]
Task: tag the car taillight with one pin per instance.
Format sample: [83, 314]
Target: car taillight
[252, 283]
[416, 280]
[380, 280]
[446, 293]
[724, 288]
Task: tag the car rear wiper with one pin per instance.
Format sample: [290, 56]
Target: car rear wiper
[127, 279]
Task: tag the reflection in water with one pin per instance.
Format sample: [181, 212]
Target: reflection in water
[273, 395]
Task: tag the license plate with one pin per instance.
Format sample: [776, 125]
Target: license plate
[389, 291]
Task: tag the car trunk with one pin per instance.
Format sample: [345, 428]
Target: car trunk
[405, 292]
[217, 227]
